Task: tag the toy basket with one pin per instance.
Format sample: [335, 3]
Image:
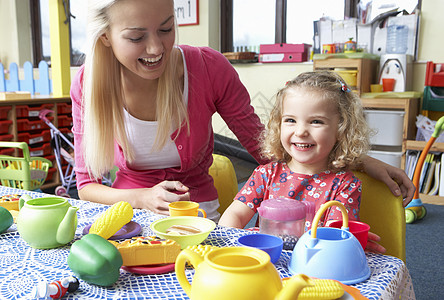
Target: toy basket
[27, 173]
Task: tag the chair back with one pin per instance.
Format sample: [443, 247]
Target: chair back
[384, 213]
[225, 180]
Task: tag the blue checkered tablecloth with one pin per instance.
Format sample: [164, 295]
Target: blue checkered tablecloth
[22, 267]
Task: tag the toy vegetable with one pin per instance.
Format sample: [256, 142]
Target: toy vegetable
[95, 260]
[112, 219]
[6, 219]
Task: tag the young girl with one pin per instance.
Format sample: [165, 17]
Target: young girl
[316, 134]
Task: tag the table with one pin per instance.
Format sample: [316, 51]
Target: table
[22, 267]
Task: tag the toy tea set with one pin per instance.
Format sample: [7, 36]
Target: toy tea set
[323, 253]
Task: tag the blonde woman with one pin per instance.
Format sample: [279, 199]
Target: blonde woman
[144, 104]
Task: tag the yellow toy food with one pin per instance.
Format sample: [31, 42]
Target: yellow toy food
[150, 250]
[202, 249]
[323, 289]
[10, 202]
[112, 220]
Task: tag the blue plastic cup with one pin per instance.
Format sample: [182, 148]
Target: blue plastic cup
[271, 244]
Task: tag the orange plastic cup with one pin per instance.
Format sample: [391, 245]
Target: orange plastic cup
[358, 229]
[185, 208]
[388, 84]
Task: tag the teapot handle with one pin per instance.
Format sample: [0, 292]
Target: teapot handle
[321, 211]
[23, 199]
[186, 256]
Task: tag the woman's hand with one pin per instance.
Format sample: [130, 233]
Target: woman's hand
[159, 196]
[396, 179]
[372, 244]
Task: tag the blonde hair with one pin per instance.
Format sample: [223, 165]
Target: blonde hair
[353, 130]
[103, 97]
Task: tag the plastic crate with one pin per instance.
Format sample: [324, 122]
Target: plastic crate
[31, 139]
[64, 108]
[433, 98]
[6, 137]
[64, 121]
[6, 151]
[4, 110]
[42, 150]
[51, 172]
[434, 74]
[67, 132]
[4, 126]
[25, 111]
[22, 172]
[24, 125]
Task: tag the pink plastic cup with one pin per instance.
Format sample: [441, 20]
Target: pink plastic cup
[358, 229]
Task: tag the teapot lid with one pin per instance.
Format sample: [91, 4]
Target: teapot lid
[282, 209]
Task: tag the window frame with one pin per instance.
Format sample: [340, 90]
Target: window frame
[226, 19]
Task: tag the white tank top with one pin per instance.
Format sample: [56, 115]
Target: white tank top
[141, 137]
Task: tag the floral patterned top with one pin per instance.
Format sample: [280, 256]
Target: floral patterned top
[275, 180]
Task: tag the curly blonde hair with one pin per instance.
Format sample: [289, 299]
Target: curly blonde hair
[353, 131]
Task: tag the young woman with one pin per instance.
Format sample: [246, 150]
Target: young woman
[143, 104]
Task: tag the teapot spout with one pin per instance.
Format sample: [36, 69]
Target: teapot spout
[68, 226]
[294, 286]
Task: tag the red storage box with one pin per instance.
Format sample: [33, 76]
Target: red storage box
[26, 125]
[64, 108]
[283, 53]
[51, 172]
[434, 74]
[30, 139]
[6, 137]
[7, 151]
[25, 111]
[43, 150]
[4, 126]
[67, 131]
[64, 121]
[4, 110]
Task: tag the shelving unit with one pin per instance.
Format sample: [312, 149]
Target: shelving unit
[367, 69]
[23, 119]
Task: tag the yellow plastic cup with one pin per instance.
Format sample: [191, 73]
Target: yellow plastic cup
[185, 208]
[376, 88]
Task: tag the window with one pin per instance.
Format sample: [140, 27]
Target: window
[77, 28]
[245, 24]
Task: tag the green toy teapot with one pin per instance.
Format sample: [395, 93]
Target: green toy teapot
[236, 273]
[47, 222]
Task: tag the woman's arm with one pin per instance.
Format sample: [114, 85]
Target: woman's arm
[155, 199]
[396, 179]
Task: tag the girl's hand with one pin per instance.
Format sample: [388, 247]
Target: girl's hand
[159, 196]
[396, 179]
[372, 244]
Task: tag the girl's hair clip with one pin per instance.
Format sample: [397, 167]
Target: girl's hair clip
[344, 87]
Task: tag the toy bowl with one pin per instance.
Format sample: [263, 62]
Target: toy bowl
[358, 229]
[330, 253]
[205, 226]
[271, 244]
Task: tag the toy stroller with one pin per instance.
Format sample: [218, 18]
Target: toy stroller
[63, 147]
[415, 210]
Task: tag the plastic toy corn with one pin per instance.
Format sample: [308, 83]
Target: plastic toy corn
[323, 289]
[201, 249]
[112, 220]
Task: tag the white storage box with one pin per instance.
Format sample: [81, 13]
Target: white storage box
[389, 157]
[388, 126]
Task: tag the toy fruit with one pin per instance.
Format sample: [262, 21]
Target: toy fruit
[95, 260]
[112, 219]
[236, 273]
[6, 219]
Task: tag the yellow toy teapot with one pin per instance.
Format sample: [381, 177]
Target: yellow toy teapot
[236, 273]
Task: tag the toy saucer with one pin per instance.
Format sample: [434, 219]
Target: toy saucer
[150, 269]
[126, 232]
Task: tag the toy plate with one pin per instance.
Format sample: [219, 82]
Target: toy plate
[126, 232]
[150, 269]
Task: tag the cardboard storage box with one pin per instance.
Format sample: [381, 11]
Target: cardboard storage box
[388, 126]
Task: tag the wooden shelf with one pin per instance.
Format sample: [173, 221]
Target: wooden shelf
[419, 145]
[437, 200]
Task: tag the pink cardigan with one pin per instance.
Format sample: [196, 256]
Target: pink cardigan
[213, 86]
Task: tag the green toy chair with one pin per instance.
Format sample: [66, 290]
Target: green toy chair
[27, 173]
[384, 213]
